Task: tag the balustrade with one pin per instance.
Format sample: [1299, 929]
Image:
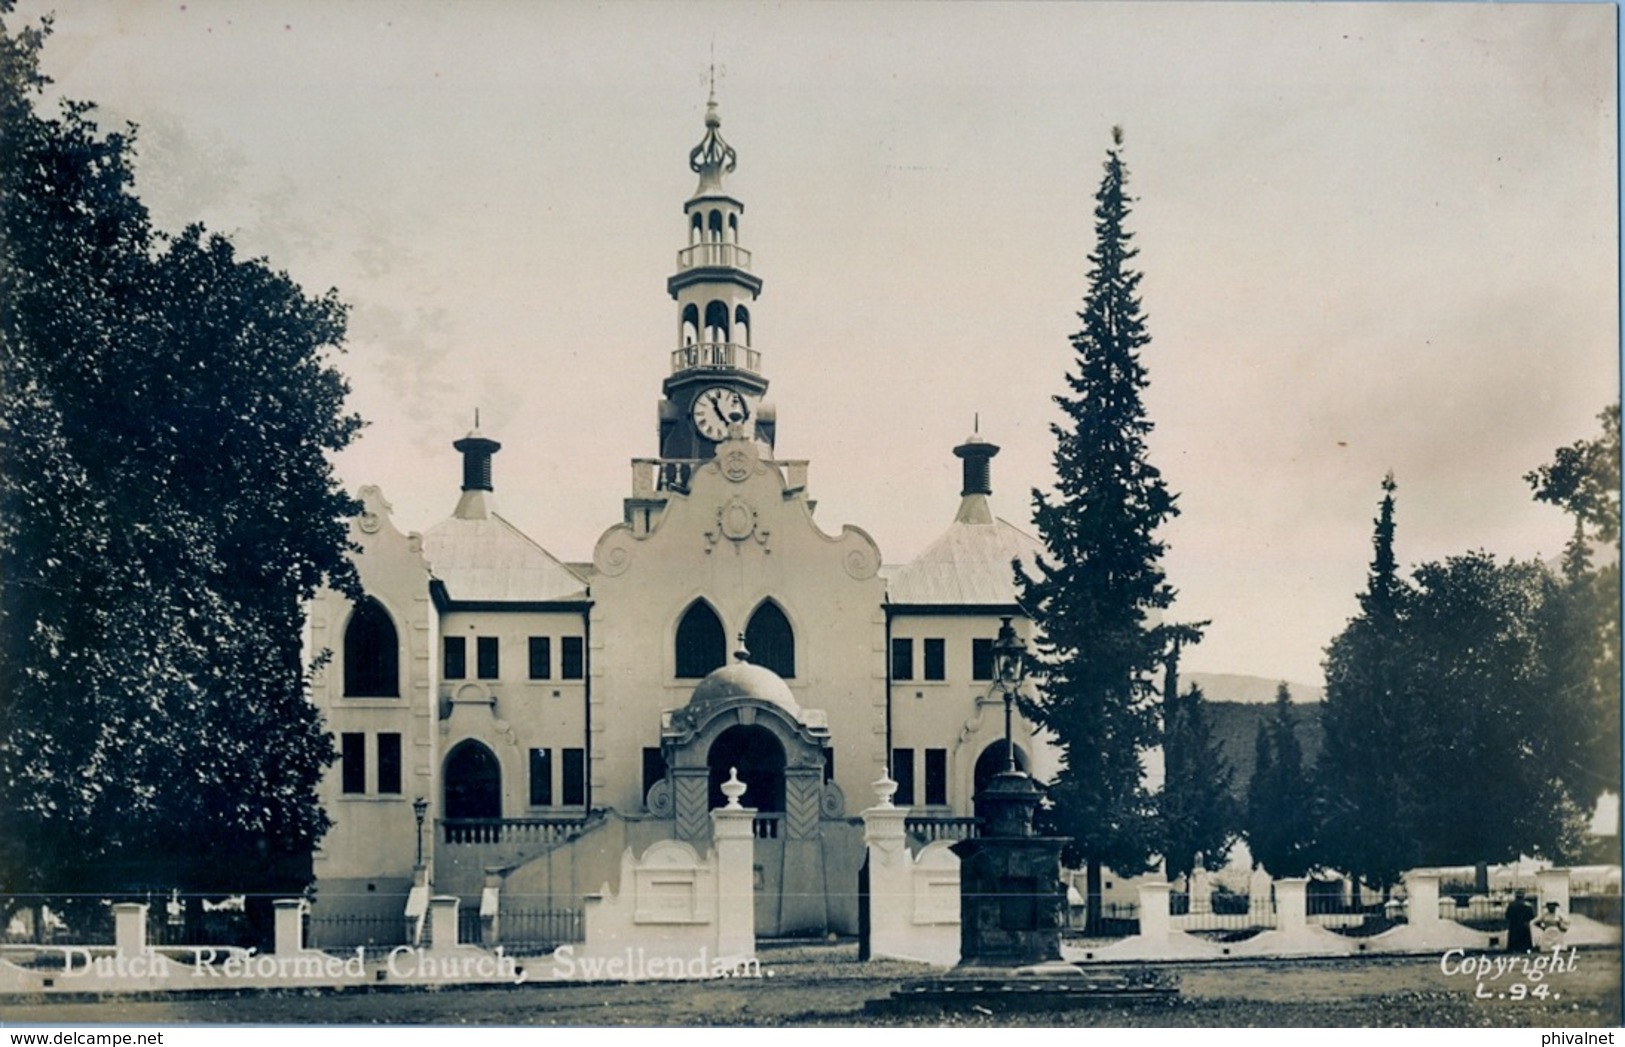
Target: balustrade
[508, 830]
[713, 254]
[717, 355]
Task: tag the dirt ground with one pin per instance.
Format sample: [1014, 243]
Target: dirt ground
[825, 985]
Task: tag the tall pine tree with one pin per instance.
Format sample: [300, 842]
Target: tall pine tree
[1099, 581]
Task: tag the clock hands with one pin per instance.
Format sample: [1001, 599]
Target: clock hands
[718, 410]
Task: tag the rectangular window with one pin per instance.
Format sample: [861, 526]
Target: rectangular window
[389, 763]
[902, 772]
[936, 777]
[936, 659]
[902, 659]
[654, 768]
[353, 756]
[981, 658]
[541, 777]
[454, 662]
[486, 652]
[541, 657]
[575, 777]
[572, 658]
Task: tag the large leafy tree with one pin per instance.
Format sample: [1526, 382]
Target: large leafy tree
[1280, 817]
[1581, 619]
[1487, 783]
[1099, 582]
[166, 503]
[1460, 711]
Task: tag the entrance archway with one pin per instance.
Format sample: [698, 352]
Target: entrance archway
[758, 756]
[473, 782]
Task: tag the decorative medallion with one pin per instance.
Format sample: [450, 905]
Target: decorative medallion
[738, 461]
[736, 521]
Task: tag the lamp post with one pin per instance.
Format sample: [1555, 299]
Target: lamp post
[420, 807]
[1009, 668]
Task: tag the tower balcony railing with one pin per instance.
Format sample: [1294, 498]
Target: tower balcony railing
[705, 255]
[716, 355]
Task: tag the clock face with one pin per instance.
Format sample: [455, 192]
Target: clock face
[717, 408]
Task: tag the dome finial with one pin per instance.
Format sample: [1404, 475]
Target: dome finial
[713, 157]
[742, 653]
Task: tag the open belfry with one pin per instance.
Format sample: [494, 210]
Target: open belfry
[520, 720]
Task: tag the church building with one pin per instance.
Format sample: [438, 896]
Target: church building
[511, 722]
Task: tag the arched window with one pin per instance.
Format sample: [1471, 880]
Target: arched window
[701, 645]
[696, 229]
[716, 226]
[742, 323]
[733, 229]
[372, 656]
[473, 782]
[770, 640]
[716, 321]
[691, 324]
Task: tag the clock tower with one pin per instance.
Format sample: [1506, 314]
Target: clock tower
[716, 381]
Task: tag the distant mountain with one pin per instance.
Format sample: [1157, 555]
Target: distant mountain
[1231, 687]
[1235, 727]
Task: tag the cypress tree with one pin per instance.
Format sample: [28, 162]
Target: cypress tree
[1280, 812]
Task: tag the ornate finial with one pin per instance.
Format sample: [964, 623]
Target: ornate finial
[476, 419]
[885, 788]
[733, 789]
[713, 157]
[742, 653]
[976, 422]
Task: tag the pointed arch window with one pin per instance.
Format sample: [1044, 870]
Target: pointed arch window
[701, 644]
[771, 641]
[372, 657]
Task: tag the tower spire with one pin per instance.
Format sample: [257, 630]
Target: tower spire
[713, 157]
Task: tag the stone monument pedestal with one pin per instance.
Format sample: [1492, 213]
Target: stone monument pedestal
[1012, 903]
[1012, 906]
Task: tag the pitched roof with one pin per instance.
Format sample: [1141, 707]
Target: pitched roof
[484, 557]
[968, 565]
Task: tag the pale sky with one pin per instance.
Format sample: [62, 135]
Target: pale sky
[1373, 236]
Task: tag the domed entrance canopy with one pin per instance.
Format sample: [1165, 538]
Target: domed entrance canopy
[743, 695]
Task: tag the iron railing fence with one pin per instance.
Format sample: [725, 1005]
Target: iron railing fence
[539, 931]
